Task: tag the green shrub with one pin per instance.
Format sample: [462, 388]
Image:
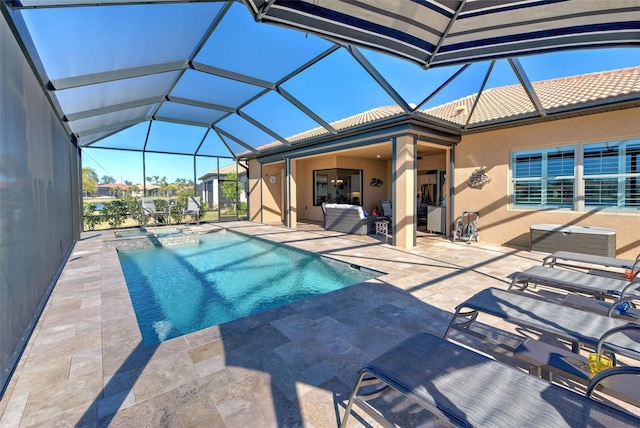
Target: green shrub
[115, 212]
[134, 207]
[91, 219]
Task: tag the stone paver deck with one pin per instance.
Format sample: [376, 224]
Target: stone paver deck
[85, 364]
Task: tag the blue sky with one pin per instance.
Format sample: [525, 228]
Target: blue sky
[335, 88]
[325, 97]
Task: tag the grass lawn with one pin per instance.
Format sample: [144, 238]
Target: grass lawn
[209, 216]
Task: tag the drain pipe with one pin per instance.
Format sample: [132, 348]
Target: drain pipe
[452, 168]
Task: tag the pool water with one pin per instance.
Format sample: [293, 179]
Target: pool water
[178, 290]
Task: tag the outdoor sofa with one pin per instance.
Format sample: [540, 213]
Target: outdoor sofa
[348, 219]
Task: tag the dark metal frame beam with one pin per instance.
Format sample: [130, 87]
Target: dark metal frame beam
[526, 85]
[380, 80]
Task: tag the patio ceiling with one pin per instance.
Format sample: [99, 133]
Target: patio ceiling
[204, 78]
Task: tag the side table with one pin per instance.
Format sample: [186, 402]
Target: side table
[382, 227]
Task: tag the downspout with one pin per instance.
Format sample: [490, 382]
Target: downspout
[246, 169]
[415, 188]
[393, 188]
[195, 183]
[452, 168]
[287, 190]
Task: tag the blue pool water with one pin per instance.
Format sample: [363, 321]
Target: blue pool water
[178, 290]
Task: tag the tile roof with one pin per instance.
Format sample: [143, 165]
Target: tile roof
[505, 103]
[369, 116]
[508, 102]
[114, 185]
[227, 169]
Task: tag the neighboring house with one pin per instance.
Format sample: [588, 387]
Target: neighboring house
[151, 189]
[568, 153]
[212, 182]
[113, 189]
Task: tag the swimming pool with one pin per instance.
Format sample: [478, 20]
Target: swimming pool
[228, 276]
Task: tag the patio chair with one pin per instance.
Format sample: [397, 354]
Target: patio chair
[546, 360]
[569, 256]
[578, 282]
[324, 215]
[192, 210]
[387, 211]
[621, 307]
[421, 214]
[469, 389]
[149, 210]
[573, 325]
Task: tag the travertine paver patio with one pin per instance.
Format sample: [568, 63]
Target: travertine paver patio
[85, 364]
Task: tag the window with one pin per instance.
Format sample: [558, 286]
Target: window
[612, 175]
[343, 186]
[543, 178]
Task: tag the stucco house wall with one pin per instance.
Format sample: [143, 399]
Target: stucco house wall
[272, 193]
[492, 150]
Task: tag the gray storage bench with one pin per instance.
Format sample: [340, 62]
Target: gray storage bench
[547, 238]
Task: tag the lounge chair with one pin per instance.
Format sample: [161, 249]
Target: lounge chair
[578, 282]
[569, 256]
[602, 307]
[421, 214]
[470, 389]
[573, 325]
[545, 360]
[149, 210]
[386, 210]
[192, 210]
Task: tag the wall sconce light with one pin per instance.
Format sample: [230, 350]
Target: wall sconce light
[375, 182]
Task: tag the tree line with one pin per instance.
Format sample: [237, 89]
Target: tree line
[90, 183]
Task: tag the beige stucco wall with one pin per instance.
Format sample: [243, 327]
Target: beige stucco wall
[271, 193]
[255, 191]
[492, 150]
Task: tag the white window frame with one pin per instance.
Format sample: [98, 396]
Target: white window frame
[621, 176]
[543, 178]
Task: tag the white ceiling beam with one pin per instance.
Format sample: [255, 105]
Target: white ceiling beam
[222, 133]
[111, 127]
[47, 4]
[201, 104]
[111, 76]
[293, 100]
[232, 75]
[262, 127]
[111, 109]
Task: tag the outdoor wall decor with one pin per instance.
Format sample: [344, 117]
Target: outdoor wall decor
[375, 182]
[478, 179]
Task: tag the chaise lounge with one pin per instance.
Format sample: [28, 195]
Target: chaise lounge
[469, 389]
